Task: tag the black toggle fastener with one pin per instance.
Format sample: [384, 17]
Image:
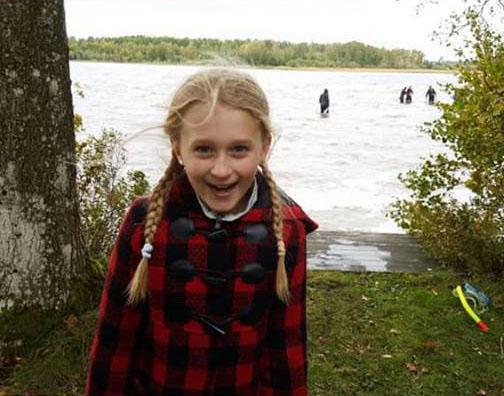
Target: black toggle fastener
[211, 325]
[252, 273]
[215, 280]
[182, 270]
[217, 234]
[183, 228]
[255, 233]
[178, 312]
[251, 314]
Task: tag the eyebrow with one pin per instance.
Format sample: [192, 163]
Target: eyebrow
[243, 141]
[210, 142]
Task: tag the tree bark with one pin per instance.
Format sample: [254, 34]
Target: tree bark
[40, 244]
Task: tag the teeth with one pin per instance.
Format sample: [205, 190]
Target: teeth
[222, 188]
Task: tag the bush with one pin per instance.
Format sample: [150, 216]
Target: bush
[467, 234]
[104, 194]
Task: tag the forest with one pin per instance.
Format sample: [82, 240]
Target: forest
[262, 53]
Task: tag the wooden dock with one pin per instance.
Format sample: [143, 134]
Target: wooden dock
[357, 251]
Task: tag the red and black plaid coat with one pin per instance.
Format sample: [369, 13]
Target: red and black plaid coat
[204, 329]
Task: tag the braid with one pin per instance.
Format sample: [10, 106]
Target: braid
[137, 288]
[282, 283]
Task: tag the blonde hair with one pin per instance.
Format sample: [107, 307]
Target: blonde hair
[228, 87]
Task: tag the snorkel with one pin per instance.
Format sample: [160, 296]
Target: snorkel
[480, 301]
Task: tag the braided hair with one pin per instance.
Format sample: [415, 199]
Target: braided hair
[228, 87]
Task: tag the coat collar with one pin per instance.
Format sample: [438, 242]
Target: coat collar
[182, 201]
[252, 198]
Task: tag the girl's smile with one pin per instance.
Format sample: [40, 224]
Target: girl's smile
[221, 154]
[222, 191]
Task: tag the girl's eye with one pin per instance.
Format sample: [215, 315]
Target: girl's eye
[240, 149]
[202, 149]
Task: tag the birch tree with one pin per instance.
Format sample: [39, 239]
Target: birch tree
[40, 246]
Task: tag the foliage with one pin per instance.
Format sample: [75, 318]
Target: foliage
[250, 52]
[483, 12]
[467, 234]
[104, 192]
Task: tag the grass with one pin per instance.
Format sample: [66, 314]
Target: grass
[401, 334]
[368, 334]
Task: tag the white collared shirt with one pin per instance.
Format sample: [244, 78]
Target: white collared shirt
[231, 216]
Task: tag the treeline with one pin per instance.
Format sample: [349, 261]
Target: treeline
[243, 52]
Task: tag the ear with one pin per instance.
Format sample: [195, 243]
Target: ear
[176, 151]
[266, 145]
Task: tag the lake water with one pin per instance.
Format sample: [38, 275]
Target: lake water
[341, 169]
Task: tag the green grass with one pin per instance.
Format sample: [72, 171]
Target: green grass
[401, 334]
[55, 362]
[368, 334]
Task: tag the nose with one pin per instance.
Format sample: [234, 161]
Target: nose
[221, 167]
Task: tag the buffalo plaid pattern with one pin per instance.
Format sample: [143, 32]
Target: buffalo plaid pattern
[148, 349]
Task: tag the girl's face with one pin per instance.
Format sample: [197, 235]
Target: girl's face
[221, 157]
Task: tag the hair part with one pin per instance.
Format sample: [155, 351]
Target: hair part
[237, 90]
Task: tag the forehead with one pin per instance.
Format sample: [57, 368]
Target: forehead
[225, 123]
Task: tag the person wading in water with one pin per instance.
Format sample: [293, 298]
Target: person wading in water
[431, 95]
[324, 102]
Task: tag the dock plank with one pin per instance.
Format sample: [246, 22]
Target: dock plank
[360, 251]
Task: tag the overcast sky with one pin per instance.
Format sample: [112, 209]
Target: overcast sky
[382, 23]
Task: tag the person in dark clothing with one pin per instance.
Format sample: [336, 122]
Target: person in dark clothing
[430, 95]
[409, 95]
[324, 102]
[402, 95]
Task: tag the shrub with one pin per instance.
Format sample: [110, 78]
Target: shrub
[104, 193]
[467, 234]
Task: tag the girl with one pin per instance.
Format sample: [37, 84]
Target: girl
[205, 293]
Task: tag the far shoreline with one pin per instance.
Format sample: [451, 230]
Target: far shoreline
[288, 68]
[366, 70]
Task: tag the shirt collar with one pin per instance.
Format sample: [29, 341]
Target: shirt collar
[231, 216]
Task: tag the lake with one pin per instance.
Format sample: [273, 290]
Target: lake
[341, 169]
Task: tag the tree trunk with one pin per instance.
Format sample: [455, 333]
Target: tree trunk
[40, 244]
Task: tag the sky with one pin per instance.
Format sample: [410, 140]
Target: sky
[382, 23]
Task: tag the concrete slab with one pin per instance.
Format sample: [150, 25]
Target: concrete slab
[357, 251]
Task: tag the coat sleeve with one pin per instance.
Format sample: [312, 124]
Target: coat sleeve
[283, 369]
[119, 325]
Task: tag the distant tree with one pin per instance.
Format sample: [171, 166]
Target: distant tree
[252, 52]
[40, 243]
